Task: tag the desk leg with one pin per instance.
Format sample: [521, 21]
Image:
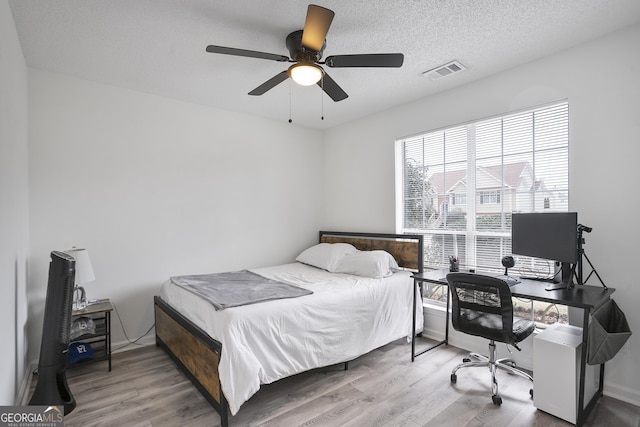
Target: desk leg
[413, 328]
[446, 331]
[446, 325]
[583, 360]
[583, 412]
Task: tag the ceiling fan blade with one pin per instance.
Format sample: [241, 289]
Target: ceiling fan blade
[247, 53]
[271, 83]
[316, 27]
[365, 60]
[331, 88]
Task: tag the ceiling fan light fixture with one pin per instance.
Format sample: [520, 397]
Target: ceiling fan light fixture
[305, 74]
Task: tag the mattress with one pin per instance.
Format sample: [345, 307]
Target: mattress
[345, 317]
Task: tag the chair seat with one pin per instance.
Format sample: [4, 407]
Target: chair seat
[522, 329]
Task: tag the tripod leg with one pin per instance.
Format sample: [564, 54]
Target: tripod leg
[570, 283]
[593, 270]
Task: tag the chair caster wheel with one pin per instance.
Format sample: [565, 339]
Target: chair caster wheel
[454, 378]
[466, 360]
[497, 400]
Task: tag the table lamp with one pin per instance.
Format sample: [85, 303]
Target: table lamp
[84, 274]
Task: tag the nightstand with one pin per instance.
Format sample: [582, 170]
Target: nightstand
[100, 340]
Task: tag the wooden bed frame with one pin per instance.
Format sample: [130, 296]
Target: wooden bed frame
[198, 355]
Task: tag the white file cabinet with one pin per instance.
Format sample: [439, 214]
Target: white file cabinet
[556, 371]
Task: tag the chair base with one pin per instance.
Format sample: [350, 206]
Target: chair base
[505, 364]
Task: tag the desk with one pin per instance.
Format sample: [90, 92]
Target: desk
[588, 298]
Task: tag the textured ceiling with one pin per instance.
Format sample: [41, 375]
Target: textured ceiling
[158, 46]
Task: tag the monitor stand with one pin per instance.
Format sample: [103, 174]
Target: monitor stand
[557, 286]
[563, 276]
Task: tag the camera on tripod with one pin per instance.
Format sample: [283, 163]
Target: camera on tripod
[584, 228]
[576, 270]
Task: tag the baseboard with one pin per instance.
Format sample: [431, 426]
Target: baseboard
[622, 393]
[126, 345]
[23, 393]
[434, 318]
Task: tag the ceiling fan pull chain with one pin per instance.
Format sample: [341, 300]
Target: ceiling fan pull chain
[290, 121]
[322, 98]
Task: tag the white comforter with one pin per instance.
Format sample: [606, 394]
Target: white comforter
[345, 317]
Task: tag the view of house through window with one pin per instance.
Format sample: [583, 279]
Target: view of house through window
[461, 184]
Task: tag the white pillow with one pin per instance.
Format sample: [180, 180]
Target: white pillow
[326, 255]
[374, 264]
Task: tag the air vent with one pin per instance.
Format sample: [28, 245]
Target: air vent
[445, 70]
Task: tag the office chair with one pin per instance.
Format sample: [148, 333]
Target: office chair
[482, 306]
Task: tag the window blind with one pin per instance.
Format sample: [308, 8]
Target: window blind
[461, 184]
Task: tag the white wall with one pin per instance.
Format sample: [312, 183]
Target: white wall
[14, 207]
[600, 80]
[153, 187]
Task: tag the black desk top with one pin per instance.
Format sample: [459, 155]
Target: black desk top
[579, 296]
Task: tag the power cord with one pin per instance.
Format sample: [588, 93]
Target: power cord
[528, 273]
[135, 341]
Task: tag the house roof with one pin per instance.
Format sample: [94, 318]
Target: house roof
[443, 182]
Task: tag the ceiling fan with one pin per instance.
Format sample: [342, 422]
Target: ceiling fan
[305, 50]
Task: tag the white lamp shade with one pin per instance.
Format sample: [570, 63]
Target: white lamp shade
[84, 270]
[305, 74]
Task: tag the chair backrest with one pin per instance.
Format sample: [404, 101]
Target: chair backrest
[482, 306]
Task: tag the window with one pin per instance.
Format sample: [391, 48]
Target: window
[459, 199]
[460, 185]
[487, 197]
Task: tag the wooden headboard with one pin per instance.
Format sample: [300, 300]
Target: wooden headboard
[407, 249]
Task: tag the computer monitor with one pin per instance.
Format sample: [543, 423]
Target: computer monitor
[549, 235]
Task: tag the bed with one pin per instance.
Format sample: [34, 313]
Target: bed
[227, 354]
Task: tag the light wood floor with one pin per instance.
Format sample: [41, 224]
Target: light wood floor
[382, 388]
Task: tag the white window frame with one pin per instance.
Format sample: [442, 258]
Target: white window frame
[488, 196]
[493, 197]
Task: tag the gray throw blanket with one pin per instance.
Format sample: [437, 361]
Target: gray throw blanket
[232, 289]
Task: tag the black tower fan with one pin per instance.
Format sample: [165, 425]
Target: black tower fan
[52, 388]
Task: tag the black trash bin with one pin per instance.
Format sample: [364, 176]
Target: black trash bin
[608, 332]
